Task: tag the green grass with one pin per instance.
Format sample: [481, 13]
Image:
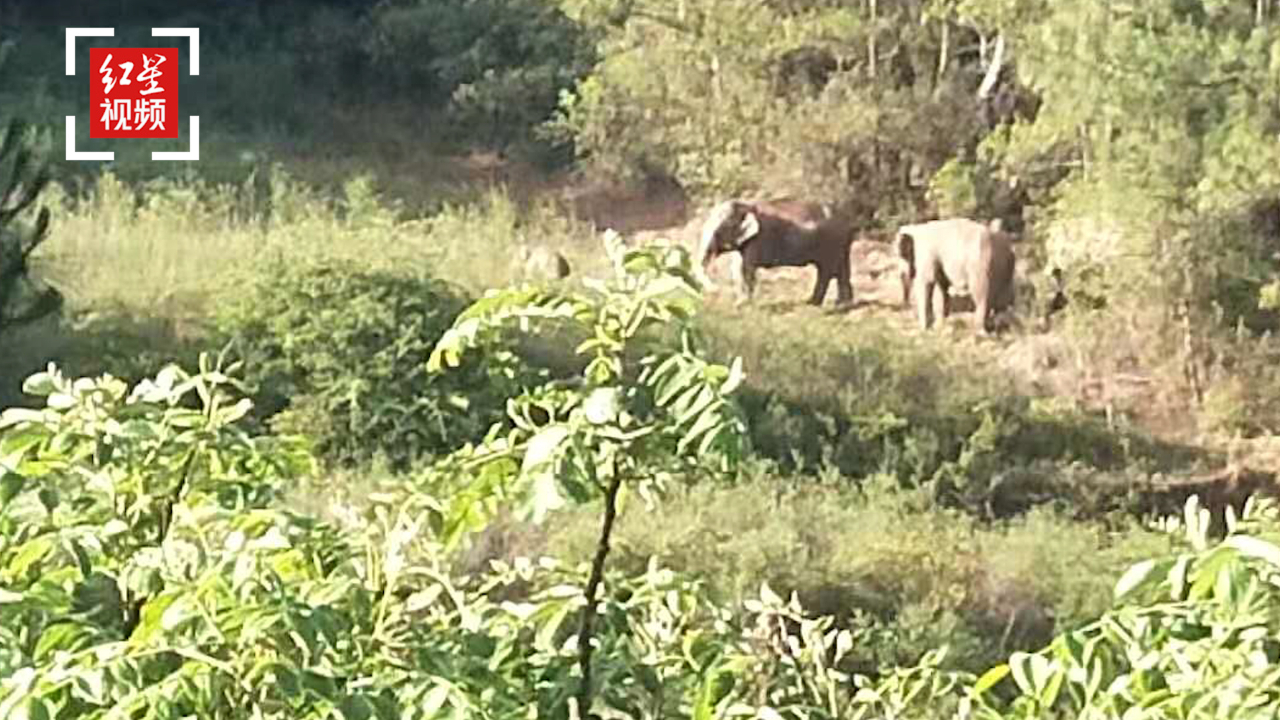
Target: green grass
[927, 574]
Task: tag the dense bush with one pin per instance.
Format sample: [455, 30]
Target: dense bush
[500, 65]
[889, 562]
[339, 352]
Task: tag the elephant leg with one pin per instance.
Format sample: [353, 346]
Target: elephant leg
[981, 308]
[924, 304]
[821, 283]
[844, 287]
[744, 272]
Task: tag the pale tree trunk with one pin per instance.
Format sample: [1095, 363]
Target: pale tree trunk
[943, 54]
[871, 38]
[1263, 10]
[993, 68]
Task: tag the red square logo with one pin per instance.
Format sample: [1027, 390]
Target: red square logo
[133, 93]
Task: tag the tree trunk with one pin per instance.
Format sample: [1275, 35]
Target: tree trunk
[943, 51]
[871, 38]
[993, 68]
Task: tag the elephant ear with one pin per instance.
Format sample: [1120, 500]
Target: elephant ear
[907, 248]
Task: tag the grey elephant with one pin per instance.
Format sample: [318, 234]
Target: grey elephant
[958, 255]
[779, 233]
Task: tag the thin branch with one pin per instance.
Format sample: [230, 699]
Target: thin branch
[587, 628]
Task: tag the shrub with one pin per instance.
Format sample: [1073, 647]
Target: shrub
[339, 352]
[499, 64]
[918, 574]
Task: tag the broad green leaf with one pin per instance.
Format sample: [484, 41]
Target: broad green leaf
[1133, 578]
[10, 485]
[435, 699]
[543, 447]
[42, 383]
[60, 401]
[1050, 681]
[34, 708]
[65, 636]
[1023, 674]
[151, 619]
[538, 468]
[1250, 546]
[29, 554]
[990, 678]
[706, 423]
[423, 598]
[736, 376]
[715, 687]
[1207, 570]
[15, 444]
[1178, 578]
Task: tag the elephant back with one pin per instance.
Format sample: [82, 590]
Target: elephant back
[800, 212]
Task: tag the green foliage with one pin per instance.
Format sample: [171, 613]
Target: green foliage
[1269, 296]
[911, 574]
[146, 570]
[147, 566]
[338, 352]
[1159, 114]
[614, 429]
[687, 92]
[1191, 636]
[115, 500]
[500, 64]
[644, 420]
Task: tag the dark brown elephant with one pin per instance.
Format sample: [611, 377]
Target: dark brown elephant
[780, 233]
[958, 255]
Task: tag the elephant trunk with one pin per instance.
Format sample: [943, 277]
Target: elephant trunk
[907, 251]
[707, 253]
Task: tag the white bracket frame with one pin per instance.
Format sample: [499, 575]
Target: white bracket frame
[193, 151]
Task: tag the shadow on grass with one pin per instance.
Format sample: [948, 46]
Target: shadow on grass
[125, 344]
[861, 401]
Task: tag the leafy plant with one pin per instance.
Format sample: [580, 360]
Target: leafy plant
[338, 352]
[122, 519]
[627, 422]
[1192, 636]
[147, 573]
[498, 64]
